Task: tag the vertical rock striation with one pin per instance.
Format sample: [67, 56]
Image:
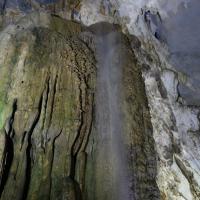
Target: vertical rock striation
[51, 147]
[47, 95]
[76, 161]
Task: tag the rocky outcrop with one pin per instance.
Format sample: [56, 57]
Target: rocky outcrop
[49, 138]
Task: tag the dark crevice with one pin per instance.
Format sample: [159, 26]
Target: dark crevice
[8, 150]
[178, 93]
[11, 119]
[28, 150]
[7, 162]
[73, 166]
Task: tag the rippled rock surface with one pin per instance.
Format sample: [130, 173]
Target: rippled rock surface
[50, 141]
[60, 86]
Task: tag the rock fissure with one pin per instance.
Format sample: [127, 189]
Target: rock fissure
[8, 152]
[28, 139]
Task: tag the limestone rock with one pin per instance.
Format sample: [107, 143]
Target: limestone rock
[47, 110]
[47, 94]
[175, 124]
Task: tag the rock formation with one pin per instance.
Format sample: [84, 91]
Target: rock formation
[48, 84]
[53, 98]
[46, 114]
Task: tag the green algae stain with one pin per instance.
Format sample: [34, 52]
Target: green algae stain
[1, 115]
[5, 84]
[4, 113]
[2, 104]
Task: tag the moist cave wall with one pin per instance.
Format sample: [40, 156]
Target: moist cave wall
[48, 97]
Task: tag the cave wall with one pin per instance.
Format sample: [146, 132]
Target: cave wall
[48, 98]
[175, 124]
[47, 94]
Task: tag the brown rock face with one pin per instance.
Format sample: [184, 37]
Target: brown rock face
[49, 137]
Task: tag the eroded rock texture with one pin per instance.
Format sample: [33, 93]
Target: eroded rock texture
[49, 139]
[176, 125]
[47, 87]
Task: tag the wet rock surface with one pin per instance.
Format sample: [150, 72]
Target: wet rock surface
[175, 119]
[47, 113]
